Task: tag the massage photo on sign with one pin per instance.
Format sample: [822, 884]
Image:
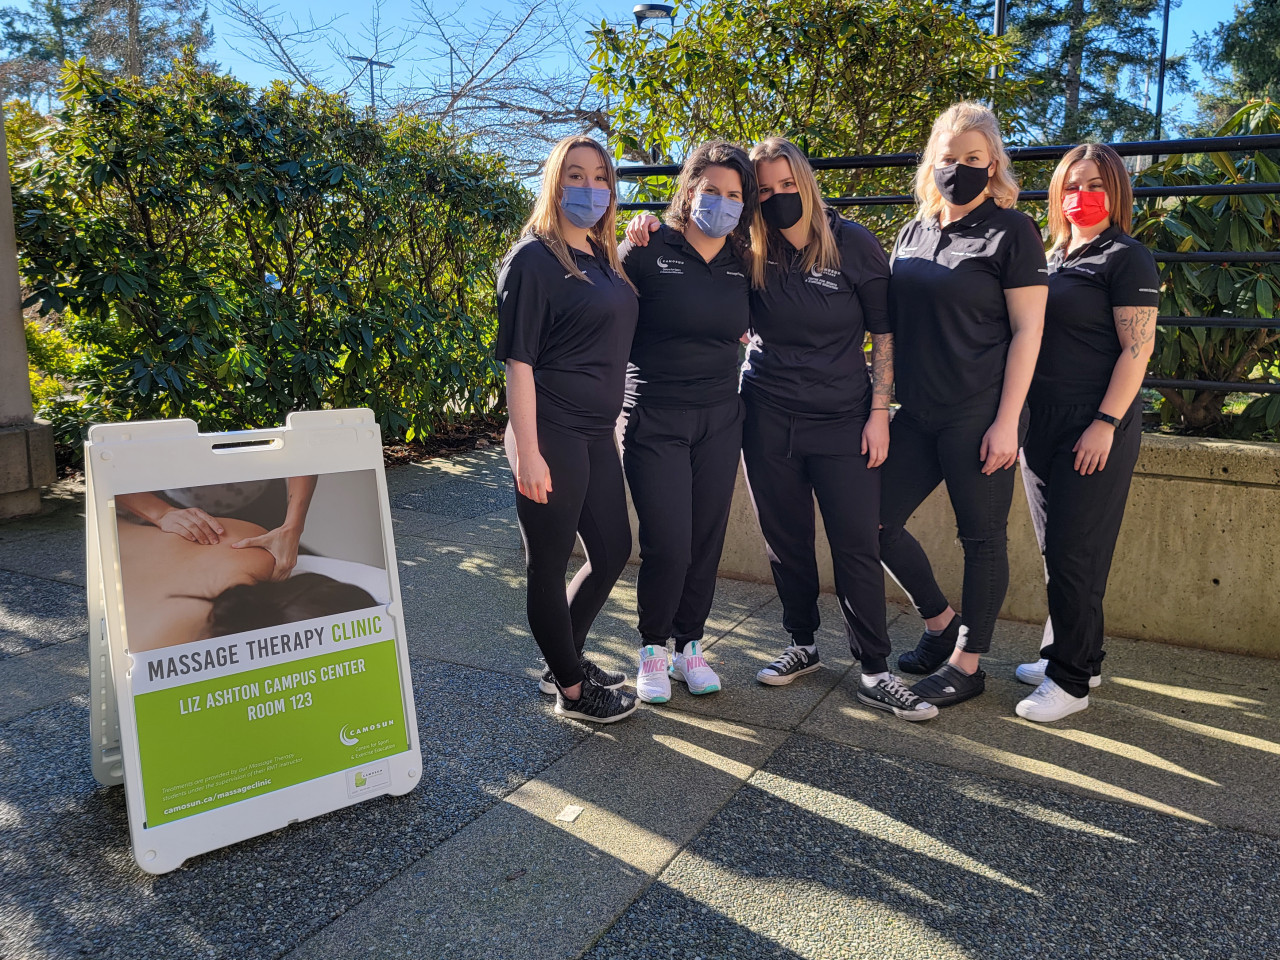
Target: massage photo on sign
[220, 559]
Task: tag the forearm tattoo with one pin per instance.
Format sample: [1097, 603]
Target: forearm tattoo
[881, 369]
[1137, 327]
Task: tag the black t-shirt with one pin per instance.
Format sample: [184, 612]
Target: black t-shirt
[575, 335]
[692, 314]
[951, 326]
[1080, 346]
[808, 327]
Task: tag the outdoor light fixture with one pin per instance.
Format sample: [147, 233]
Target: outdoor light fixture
[371, 64]
[653, 11]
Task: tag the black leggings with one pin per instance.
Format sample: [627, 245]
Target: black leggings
[788, 461]
[927, 447]
[1077, 520]
[587, 500]
[681, 465]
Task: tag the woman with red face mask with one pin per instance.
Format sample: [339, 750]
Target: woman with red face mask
[1086, 420]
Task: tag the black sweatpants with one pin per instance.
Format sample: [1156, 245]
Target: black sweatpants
[681, 465]
[788, 461]
[1077, 520]
[926, 447]
[587, 500]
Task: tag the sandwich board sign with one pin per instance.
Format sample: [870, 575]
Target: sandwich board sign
[247, 649]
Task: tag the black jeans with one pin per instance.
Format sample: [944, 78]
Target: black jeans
[788, 461]
[681, 465]
[926, 447]
[587, 500]
[1077, 521]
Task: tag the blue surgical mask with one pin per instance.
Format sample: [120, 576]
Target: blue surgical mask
[716, 216]
[584, 206]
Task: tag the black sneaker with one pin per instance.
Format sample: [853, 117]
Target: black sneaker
[931, 652]
[794, 662]
[892, 694]
[596, 704]
[610, 681]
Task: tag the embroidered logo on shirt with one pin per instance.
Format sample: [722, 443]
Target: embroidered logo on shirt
[733, 273]
[818, 275]
[669, 266]
[1147, 290]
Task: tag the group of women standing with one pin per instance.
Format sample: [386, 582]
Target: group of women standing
[987, 345]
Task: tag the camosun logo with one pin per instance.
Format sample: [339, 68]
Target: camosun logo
[348, 735]
[347, 739]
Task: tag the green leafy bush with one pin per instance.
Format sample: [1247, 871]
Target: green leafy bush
[213, 253]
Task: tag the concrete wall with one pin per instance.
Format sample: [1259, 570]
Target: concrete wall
[1196, 564]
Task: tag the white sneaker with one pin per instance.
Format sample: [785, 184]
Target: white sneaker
[1034, 674]
[653, 685]
[691, 668]
[1049, 702]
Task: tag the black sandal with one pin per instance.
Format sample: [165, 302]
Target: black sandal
[931, 652]
[947, 686]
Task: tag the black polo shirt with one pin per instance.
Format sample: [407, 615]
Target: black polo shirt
[1080, 345]
[808, 327]
[575, 335]
[950, 321]
[692, 315]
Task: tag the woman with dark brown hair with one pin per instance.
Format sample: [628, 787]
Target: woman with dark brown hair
[1086, 419]
[684, 424]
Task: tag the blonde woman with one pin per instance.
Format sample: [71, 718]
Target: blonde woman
[566, 316]
[1086, 421]
[967, 301]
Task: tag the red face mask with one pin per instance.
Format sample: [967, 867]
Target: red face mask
[1085, 208]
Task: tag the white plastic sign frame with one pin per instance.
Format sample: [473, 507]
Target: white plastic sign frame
[166, 454]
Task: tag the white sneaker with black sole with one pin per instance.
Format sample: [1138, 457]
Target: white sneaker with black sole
[653, 682]
[1049, 702]
[596, 704]
[891, 694]
[1034, 674]
[604, 678]
[690, 667]
[794, 662]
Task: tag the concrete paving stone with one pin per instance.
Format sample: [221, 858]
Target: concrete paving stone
[56, 555]
[460, 497]
[44, 676]
[409, 523]
[36, 612]
[500, 529]
[1200, 741]
[69, 888]
[836, 853]
[521, 883]
[488, 465]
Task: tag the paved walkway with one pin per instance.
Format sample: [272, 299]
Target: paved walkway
[758, 822]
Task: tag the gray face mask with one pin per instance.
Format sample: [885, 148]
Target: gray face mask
[584, 206]
[716, 216]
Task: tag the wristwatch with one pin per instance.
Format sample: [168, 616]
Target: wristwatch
[1107, 418]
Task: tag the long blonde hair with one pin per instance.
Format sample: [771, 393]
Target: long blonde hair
[544, 222]
[821, 250]
[1115, 183]
[956, 119]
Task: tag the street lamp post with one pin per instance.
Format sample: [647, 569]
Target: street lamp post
[371, 64]
[654, 11]
[1164, 49]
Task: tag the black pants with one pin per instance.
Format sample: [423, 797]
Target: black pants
[587, 500]
[788, 461]
[1077, 520]
[926, 447]
[681, 465]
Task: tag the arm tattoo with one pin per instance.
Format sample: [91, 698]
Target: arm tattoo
[1136, 326]
[881, 369]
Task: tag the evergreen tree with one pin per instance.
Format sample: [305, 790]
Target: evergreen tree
[1241, 58]
[37, 42]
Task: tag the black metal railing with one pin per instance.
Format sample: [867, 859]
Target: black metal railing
[1141, 148]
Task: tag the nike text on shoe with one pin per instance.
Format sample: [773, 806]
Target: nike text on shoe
[794, 662]
[596, 704]
[1049, 702]
[691, 668]
[653, 683]
[1034, 674]
[605, 678]
[890, 693]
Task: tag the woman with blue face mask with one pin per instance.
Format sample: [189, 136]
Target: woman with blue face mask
[684, 421]
[566, 318]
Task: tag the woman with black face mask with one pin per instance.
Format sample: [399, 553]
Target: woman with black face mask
[566, 317]
[967, 300]
[684, 423]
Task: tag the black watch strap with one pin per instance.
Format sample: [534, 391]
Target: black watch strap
[1107, 418]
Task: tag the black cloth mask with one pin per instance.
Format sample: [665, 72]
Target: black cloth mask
[960, 183]
[782, 210]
